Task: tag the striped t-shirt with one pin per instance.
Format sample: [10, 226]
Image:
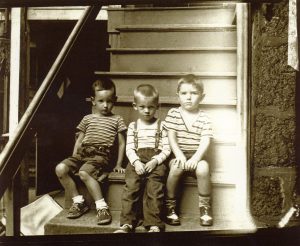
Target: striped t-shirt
[188, 140]
[101, 130]
[146, 139]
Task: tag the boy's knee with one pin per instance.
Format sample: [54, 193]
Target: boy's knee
[83, 175]
[61, 170]
[202, 169]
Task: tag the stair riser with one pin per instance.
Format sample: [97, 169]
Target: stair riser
[223, 118]
[174, 62]
[175, 16]
[175, 39]
[219, 88]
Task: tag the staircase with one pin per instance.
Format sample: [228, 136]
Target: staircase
[158, 45]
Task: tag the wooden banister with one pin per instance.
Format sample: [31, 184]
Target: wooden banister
[14, 150]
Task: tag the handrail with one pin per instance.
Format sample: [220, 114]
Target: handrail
[14, 150]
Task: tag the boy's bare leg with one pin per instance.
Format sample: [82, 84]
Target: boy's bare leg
[92, 185]
[203, 178]
[204, 189]
[62, 172]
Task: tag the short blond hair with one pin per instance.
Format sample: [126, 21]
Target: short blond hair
[191, 79]
[146, 90]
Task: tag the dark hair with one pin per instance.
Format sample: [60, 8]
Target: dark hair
[103, 84]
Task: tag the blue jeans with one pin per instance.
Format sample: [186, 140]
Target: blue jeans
[150, 187]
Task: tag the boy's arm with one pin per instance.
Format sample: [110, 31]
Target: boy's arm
[121, 150]
[78, 142]
[203, 146]
[180, 157]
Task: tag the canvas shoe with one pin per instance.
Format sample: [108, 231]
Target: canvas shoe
[77, 209]
[126, 228]
[154, 229]
[103, 216]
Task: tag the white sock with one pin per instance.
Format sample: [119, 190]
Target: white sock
[100, 204]
[78, 199]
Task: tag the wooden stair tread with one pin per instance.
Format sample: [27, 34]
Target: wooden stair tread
[177, 27]
[204, 6]
[86, 224]
[167, 74]
[173, 49]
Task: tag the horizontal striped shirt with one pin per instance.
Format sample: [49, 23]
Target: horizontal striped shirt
[101, 130]
[188, 139]
[146, 139]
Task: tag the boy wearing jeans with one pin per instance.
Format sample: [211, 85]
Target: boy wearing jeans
[147, 148]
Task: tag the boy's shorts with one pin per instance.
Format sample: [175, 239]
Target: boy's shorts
[188, 155]
[92, 159]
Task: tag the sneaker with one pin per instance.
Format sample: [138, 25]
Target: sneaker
[103, 216]
[205, 216]
[154, 229]
[77, 209]
[172, 218]
[126, 228]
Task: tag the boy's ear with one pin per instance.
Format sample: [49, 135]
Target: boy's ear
[203, 95]
[134, 106]
[116, 98]
[93, 101]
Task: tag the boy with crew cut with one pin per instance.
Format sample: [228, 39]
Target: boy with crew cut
[189, 131]
[92, 152]
[147, 149]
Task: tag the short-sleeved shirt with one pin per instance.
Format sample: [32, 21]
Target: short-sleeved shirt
[101, 130]
[188, 139]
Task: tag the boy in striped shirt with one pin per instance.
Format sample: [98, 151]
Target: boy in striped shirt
[189, 131]
[92, 151]
[147, 149]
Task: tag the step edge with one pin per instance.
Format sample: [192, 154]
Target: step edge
[166, 74]
[175, 27]
[180, 49]
[207, 6]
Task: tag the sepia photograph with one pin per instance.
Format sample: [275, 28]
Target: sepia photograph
[149, 122]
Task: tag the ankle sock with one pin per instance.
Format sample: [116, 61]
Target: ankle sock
[204, 200]
[78, 199]
[100, 204]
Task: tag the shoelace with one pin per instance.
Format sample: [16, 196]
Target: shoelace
[75, 207]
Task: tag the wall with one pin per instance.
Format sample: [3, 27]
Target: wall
[273, 114]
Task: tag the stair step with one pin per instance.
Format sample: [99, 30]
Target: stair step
[86, 224]
[163, 36]
[173, 60]
[173, 15]
[167, 86]
[174, 100]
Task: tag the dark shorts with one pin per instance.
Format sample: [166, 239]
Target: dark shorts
[94, 162]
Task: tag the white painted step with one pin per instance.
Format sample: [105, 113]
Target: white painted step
[167, 15]
[217, 89]
[165, 36]
[174, 60]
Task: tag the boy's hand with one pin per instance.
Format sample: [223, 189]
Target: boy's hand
[139, 167]
[180, 161]
[118, 169]
[150, 165]
[191, 164]
[102, 177]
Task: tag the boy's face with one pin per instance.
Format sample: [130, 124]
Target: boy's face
[146, 108]
[189, 97]
[104, 101]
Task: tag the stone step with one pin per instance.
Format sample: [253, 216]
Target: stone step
[217, 59]
[87, 224]
[164, 36]
[170, 15]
